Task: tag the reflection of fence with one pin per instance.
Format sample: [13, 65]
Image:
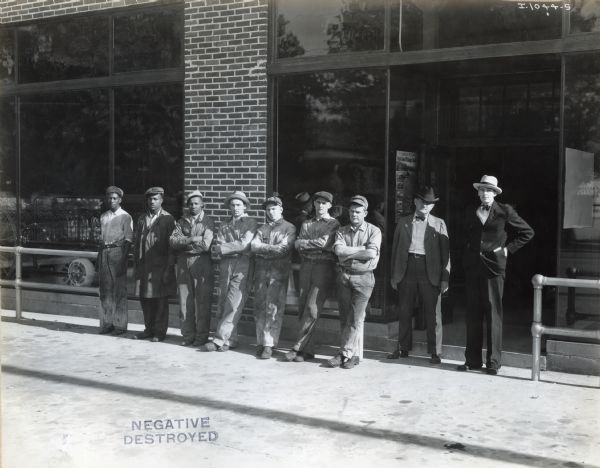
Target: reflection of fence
[18, 284]
[537, 329]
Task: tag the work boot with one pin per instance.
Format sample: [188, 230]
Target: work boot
[267, 352]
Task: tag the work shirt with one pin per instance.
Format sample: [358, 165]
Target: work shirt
[234, 236]
[200, 225]
[320, 234]
[417, 240]
[116, 226]
[364, 235]
[269, 238]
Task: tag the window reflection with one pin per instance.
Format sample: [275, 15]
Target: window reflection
[145, 41]
[149, 143]
[63, 50]
[8, 201]
[584, 17]
[332, 137]
[318, 27]
[7, 56]
[432, 24]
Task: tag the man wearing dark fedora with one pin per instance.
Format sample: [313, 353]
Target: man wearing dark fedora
[317, 273]
[272, 247]
[154, 265]
[116, 237]
[420, 268]
[357, 246]
[486, 248]
[191, 240]
[232, 249]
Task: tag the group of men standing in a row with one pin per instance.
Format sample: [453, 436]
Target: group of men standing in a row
[168, 253]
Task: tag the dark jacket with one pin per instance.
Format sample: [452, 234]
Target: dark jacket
[485, 243]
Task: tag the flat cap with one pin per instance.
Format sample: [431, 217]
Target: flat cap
[115, 189]
[237, 195]
[359, 200]
[195, 193]
[272, 201]
[324, 195]
[155, 191]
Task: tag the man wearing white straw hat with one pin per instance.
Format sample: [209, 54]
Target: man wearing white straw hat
[486, 248]
[191, 240]
[232, 248]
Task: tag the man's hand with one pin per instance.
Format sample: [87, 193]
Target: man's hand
[443, 286]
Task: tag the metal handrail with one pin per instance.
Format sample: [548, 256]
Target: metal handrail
[19, 284]
[538, 329]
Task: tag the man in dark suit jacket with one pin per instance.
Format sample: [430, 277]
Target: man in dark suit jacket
[420, 265]
[154, 265]
[485, 252]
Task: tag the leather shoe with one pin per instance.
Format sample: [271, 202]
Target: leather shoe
[223, 348]
[336, 361]
[118, 331]
[187, 343]
[267, 352]
[104, 331]
[302, 356]
[210, 346]
[259, 350]
[466, 367]
[435, 359]
[291, 355]
[398, 354]
[350, 363]
[156, 339]
[142, 336]
[491, 370]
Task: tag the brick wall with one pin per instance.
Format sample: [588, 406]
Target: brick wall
[25, 10]
[226, 100]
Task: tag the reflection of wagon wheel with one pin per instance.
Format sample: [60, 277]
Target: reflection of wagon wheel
[81, 272]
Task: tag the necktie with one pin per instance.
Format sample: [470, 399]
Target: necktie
[485, 207]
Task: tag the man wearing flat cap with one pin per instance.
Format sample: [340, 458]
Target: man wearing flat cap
[191, 240]
[357, 246]
[232, 248]
[487, 245]
[420, 267]
[317, 273]
[116, 236]
[272, 247]
[154, 262]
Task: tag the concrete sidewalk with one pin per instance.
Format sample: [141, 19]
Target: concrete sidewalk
[73, 398]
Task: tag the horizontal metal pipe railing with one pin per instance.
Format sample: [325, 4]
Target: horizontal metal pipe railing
[19, 284]
[538, 329]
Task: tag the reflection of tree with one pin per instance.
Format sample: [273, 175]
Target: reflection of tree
[288, 44]
[359, 27]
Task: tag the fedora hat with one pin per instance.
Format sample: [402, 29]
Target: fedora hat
[237, 195]
[489, 182]
[426, 194]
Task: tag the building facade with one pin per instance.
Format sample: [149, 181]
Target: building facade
[370, 97]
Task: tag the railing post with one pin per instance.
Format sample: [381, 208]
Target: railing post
[536, 326]
[571, 313]
[18, 274]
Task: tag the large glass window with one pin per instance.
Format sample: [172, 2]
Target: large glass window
[148, 40]
[317, 27]
[63, 50]
[7, 56]
[149, 142]
[331, 136]
[433, 24]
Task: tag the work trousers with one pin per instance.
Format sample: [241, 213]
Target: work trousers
[112, 274]
[195, 282]
[270, 291]
[234, 281]
[416, 283]
[484, 301]
[156, 316]
[354, 291]
[316, 279]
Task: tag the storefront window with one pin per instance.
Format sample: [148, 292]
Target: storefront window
[64, 50]
[584, 16]
[7, 56]
[65, 158]
[433, 24]
[8, 173]
[317, 27]
[149, 143]
[148, 40]
[332, 137]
